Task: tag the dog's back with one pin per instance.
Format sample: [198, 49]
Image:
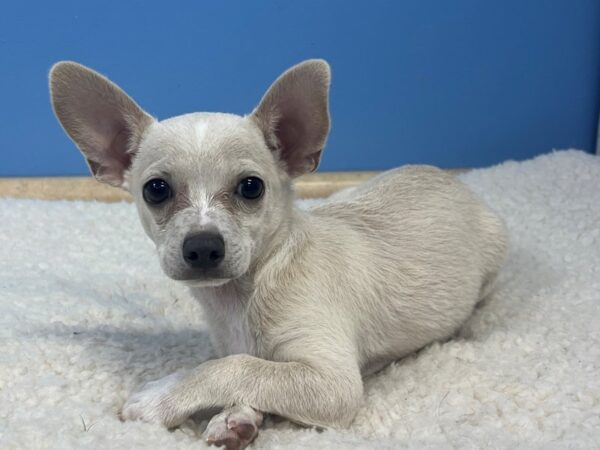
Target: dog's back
[421, 249]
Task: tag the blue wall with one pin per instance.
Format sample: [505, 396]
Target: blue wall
[453, 83]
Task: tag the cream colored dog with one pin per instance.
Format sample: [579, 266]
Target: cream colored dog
[301, 304]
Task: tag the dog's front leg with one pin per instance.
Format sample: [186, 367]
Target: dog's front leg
[315, 392]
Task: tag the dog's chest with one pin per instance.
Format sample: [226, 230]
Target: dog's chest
[228, 322]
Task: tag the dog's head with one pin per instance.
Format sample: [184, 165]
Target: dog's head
[211, 189]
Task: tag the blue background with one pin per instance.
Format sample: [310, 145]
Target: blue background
[454, 83]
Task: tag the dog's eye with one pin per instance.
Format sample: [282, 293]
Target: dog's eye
[250, 188]
[156, 191]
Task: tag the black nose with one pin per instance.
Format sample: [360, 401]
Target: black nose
[204, 250]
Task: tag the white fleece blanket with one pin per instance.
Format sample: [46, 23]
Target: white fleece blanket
[86, 315]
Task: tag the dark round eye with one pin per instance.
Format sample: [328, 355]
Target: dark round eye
[156, 191]
[250, 188]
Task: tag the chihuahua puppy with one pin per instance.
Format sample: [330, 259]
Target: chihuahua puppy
[302, 304]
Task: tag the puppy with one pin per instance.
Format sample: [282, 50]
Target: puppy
[301, 304]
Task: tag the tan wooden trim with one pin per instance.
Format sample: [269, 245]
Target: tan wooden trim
[61, 188]
[87, 188]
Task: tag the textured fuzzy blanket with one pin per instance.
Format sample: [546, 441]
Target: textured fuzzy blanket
[86, 315]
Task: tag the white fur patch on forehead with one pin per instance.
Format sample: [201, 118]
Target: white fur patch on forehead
[208, 132]
[200, 129]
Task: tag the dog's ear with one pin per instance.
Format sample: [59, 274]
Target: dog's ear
[104, 122]
[294, 115]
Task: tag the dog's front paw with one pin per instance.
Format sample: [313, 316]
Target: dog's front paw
[234, 428]
[153, 402]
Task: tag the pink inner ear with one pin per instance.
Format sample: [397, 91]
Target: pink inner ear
[289, 132]
[114, 161]
[118, 153]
